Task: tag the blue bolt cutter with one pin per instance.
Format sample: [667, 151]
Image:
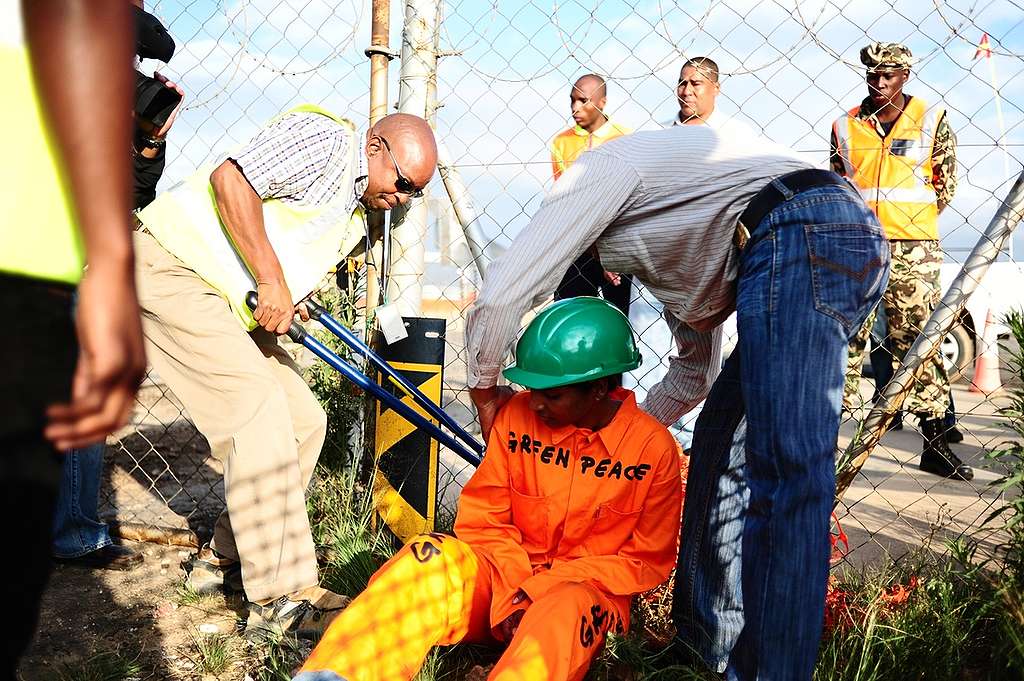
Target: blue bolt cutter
[298, 333]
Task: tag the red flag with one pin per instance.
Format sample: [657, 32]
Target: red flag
[984, 49]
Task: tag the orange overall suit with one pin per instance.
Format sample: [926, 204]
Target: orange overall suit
[578, 520]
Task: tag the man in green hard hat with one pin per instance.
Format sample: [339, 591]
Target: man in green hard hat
[574, 509]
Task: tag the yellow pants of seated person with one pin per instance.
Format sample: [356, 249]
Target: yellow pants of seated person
[437, 591]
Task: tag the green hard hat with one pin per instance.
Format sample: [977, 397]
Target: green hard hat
[572, 341]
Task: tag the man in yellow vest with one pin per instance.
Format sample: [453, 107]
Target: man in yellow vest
[900, 153]
[273, 217]
[587, 99]
[65, 204]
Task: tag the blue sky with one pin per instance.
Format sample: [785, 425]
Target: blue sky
[789, 69]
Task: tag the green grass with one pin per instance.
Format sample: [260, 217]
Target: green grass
[106, 666]
[339, 397]
[352, 546]
[275, 659]
[963, 622]
[214, 653]
[184, 594]
[945, 630]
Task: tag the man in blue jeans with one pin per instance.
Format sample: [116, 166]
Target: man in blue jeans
[709, 224]
[79, 537]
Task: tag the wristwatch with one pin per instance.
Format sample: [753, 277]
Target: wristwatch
[152, 142]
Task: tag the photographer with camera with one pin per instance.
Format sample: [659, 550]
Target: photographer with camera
[149, 146]
[79, 537]
[157, 103]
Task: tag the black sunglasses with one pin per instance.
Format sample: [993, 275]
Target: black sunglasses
[403, 184]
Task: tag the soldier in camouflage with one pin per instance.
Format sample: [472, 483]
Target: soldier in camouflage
[914, 282]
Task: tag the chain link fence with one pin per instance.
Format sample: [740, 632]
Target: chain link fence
[501, 91]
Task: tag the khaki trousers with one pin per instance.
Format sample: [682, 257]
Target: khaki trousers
[245, 394]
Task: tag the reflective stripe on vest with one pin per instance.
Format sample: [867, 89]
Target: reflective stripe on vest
[38, 233]
[894, 173]
[307, 240]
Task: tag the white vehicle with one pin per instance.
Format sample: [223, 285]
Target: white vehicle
[1002, 289]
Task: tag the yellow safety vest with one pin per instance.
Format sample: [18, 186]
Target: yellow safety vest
[308, 240]
[894, 173]
[38, 232]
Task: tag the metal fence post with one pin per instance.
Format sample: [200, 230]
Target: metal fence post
[380, 55]
[409, 226]
[984, 254]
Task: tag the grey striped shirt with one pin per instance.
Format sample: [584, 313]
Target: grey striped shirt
[661, 205]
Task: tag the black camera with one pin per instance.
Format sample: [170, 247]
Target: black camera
[154, 102]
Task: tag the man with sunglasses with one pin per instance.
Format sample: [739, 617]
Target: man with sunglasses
[275, 216]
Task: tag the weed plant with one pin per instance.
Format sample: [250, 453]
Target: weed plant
[276, 658]
[107, 666]
[213, 653]
[340, 399]
[965, 618]
[352, 545]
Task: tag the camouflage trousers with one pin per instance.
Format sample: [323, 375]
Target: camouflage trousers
[914, 290]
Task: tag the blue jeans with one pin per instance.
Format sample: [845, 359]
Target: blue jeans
[318, 676]
[811, 272]
[707, 605]
[77, 529]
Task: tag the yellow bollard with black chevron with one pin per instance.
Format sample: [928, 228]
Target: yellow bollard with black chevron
[406, 459]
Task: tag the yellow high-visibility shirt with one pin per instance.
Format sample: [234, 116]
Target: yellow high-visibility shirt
[567, 145]
[308, 240]
[39, 235]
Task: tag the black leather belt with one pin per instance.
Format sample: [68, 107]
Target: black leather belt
[769, 197]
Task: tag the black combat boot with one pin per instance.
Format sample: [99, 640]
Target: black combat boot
[953, 435]
[937, 457]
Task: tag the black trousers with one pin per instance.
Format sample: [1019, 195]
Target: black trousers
[39, 348]
[585, 277]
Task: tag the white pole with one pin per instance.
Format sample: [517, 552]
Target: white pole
[985, 252]
[1002, 130]
[483, 249]
[409, 226]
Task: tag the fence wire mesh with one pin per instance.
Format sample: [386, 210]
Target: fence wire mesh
[503, 80]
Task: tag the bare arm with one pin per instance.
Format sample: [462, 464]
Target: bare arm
[81, 53]
[241, 211]
[81, 59]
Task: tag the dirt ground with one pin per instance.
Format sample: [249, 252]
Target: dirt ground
[136, 614]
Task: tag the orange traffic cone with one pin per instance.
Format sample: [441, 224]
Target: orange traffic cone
[986, 367]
